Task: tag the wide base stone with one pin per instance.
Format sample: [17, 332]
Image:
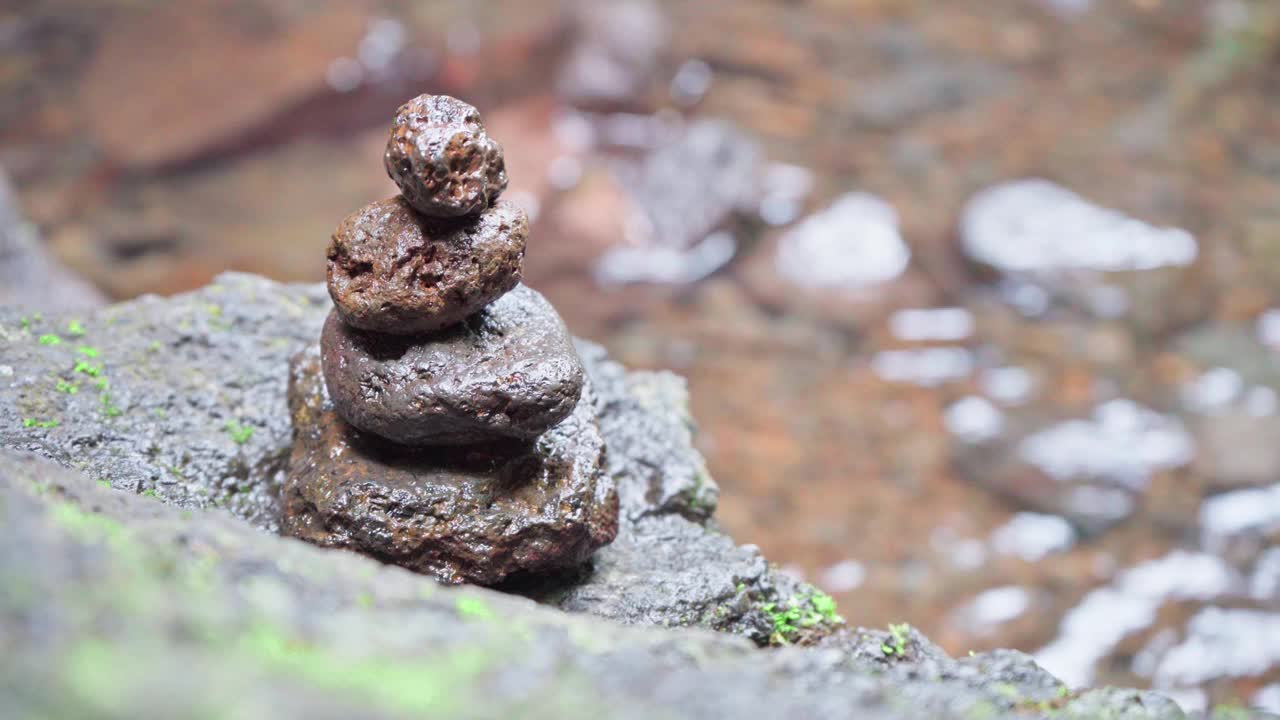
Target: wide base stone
[479, 514]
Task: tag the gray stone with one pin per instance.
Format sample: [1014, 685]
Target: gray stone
[195, 413]
[211, 616]
[646, 417]
[476, 514]
[509, 371]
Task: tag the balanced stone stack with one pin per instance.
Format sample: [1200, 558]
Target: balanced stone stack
[444, 424]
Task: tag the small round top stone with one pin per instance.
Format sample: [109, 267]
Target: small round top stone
[442, 159]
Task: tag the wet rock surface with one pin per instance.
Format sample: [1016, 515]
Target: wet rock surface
[196, 417]
[869, 422]
[509, 371]
[392, 270]
[442, 159]
[273, 627]
[462, 514]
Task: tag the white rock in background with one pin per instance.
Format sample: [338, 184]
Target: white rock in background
[1123, 443]
[931, 324]
[1033, 536]
[1107, 615]
[852, 244]
[1037, 226]
[973, 419]
[1222, 643]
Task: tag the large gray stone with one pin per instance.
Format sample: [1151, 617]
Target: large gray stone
[119, 604]
[194, 412]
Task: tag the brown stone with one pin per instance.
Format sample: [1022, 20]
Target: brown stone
[441, 157]
[393, 270]
[509, 371]
[479, 514]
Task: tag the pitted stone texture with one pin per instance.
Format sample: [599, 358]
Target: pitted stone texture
[509, 371]
[393, 270]
[188, 400]
[443, 160]
[478, 514]
[645, 416]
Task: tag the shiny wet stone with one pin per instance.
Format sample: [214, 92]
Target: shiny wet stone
[477, 514]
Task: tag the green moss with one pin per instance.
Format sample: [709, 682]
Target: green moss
[1007, 691]
[982, 710]
[473, 608]
[87, 368]
[108, 676]
[240, 434]
[50, 339]
[899, 633]
[105, 483]
[84, 525]
[415, 686]
[799, 613]
[109, 408]
[43, 424]
[75, 328]
[65, 386]
[89, 351]
[1230, 712]
[149, 492]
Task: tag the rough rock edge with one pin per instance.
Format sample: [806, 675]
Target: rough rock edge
[119, 606]
[200, 380]
[192, 409]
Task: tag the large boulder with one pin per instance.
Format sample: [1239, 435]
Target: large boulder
[140, 574]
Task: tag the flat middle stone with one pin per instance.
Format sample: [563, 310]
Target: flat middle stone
[508, 371]
[393, 270]
[477, 514]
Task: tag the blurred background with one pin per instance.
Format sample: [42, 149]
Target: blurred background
[979, 301]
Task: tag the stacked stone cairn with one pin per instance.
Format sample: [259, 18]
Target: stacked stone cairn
[444, 424]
